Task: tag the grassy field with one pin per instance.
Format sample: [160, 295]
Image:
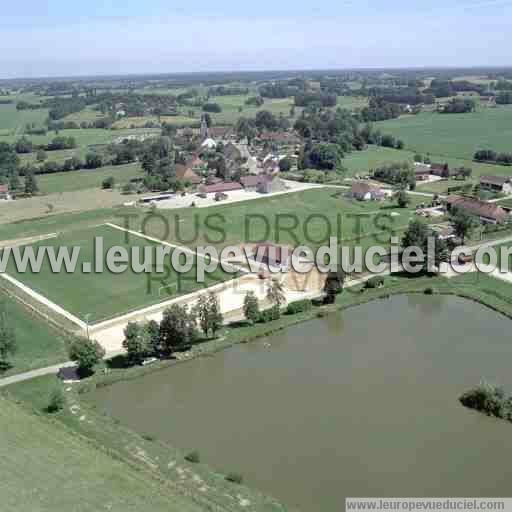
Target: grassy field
[37, 344]
[105, 295]
[13, 122]
[352, 102]
[87, 115]
[361, 162]
[454, 135]
[139, 122]
[80, 180]
[85, 137]
[308, 217]
[48, 467]
[59, 223]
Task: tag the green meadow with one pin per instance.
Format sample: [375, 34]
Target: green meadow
[87, 178]
[106, 294]
[454, 135]
[38, 345]
[47, 466]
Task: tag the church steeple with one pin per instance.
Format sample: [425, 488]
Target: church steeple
[204, 127]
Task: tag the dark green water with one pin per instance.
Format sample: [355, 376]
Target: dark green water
[362, 403]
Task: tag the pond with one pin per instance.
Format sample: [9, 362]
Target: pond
[360, 403]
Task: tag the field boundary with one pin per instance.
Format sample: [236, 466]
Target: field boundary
[44, 301]
[174, 246]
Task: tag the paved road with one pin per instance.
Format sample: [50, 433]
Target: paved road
[32, 374]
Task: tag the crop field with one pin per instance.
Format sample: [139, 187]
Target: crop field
[37, 344]
[106, 295]
[87, 178]
[48, 467]
[454, 135]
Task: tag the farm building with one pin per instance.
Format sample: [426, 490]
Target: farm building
[185, 173]
[224, 186]
[441, 170]
[262, 183]
[488, 213]
[496, 184]
[422, 172]
[363, 191]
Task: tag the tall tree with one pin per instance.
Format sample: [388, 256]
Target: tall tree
[87, 354]
[463, 223]
[251, 307]
[177, 329]
[31, 187]
[275, 293]
[333, 285]
[8, 344]
[208, 313]
[136, 342]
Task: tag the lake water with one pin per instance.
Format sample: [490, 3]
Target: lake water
[360, 403]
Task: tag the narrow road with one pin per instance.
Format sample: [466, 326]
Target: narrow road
[32, 374]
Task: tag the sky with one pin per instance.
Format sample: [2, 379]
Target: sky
[95, 37]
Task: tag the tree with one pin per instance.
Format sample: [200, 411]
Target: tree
[8, 345]
[14, 181]
[87, 354]
[31, 187]
[56, 400]
[136, 342]
[177, 329]
[462, 222]
[333, 285]
[108, 183]
[275, 293]
[418, 234]
[246, 129]
[208, 313]
[93, 161]
[402, 199]
[153, 335]
[251, 307]
[285, 164]
[23, 145]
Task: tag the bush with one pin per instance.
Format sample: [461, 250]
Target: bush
[56, 400]
[429, 291]
[108, 183]
[193, 457]
[488, 399]
[236, 478]
[270, 314]
[87, 353]
[375, 282]
[299, 306]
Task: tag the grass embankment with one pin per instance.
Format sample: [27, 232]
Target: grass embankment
[46, 466]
